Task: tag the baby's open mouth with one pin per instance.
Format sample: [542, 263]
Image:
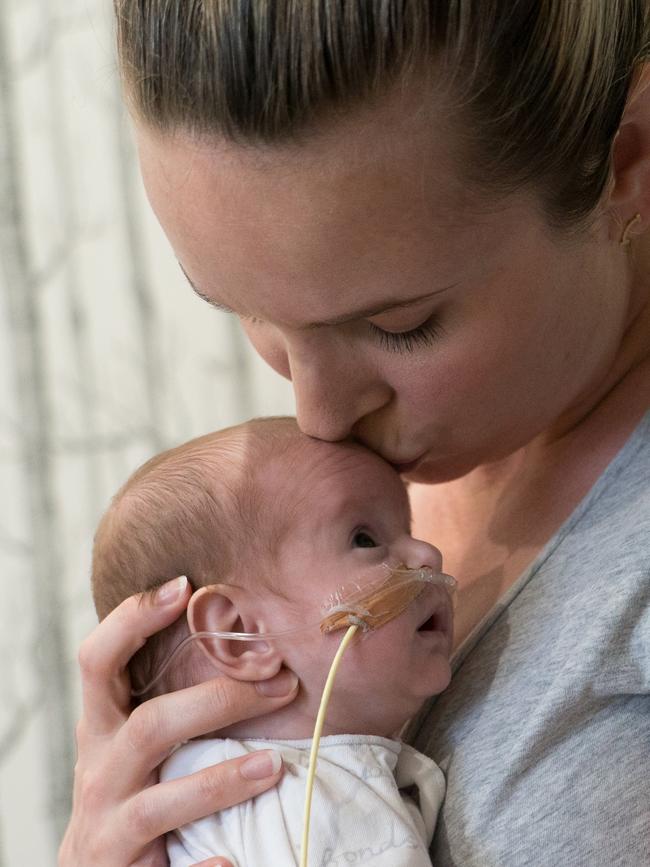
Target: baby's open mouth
[433, 623]
[427, 625]
[439, 620]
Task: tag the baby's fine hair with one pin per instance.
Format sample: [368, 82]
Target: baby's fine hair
[194, 510]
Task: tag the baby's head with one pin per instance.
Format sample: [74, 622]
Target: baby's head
[269, 525]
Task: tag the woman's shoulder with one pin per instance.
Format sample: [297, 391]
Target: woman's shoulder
[549, 706]
[617, 508]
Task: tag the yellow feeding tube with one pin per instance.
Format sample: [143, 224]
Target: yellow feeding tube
[370, 608]
[318, 730]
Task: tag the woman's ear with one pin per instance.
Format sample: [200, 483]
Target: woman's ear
[630, 182]
[220, 608]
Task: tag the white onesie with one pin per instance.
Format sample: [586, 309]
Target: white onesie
[375, 803]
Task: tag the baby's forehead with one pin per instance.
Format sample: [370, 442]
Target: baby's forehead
[306, 461]
[314, 476]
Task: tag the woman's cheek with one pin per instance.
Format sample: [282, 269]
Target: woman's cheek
[269, 345]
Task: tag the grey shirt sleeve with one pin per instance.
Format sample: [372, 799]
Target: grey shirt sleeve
[544, 734]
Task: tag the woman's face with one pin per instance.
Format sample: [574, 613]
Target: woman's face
[406, 312]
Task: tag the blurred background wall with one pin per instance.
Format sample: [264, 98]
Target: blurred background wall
[106, 357]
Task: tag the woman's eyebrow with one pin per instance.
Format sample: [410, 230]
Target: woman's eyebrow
[377, 308]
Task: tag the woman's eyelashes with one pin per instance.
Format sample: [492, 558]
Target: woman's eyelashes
[424, 335]
[407, 341]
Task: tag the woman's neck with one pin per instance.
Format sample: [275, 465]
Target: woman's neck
[625, 385]
[492, 523]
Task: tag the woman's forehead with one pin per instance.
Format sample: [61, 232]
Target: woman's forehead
[380, 217]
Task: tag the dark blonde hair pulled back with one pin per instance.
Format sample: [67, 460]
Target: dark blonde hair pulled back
[540, 84]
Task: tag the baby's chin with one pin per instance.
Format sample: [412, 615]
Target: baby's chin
[435, 472]
[381, 712]
[392, 721]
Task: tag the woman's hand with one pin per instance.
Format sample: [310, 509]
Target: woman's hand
[120, 810]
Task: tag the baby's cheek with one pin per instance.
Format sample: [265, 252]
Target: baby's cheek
[385, 650]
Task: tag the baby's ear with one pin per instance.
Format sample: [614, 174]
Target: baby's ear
[219, 608]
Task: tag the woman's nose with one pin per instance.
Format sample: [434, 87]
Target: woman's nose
[332, 391]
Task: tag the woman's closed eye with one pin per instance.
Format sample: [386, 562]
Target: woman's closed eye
[407, 341]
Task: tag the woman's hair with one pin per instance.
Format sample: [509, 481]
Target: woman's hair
[539, 85]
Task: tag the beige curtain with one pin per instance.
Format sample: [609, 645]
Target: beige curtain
[105, 357]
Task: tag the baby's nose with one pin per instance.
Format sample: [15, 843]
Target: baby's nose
[418, 553]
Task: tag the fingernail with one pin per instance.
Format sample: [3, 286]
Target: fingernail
[260, 765]
[170, 591]
[282, 684]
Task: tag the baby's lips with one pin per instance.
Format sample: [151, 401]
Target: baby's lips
[439, 607]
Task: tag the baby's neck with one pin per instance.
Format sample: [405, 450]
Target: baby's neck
[292, 722]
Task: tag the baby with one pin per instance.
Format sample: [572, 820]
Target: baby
[272, 527]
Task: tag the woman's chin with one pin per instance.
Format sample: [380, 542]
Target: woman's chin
[430, 470]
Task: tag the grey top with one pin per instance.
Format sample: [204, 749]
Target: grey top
[544, 735]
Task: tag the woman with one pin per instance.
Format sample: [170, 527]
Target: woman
[431, 217]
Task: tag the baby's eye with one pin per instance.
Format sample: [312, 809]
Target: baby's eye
[362, 539]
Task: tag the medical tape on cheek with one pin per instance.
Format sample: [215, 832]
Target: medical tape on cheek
[367, 607]
[378, 604]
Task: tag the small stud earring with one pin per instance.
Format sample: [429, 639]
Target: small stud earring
[625, 240]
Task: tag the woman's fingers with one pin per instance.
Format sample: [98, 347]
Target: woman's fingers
[157, 725]
[159, 809]
[105, 654]
[120, 810]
